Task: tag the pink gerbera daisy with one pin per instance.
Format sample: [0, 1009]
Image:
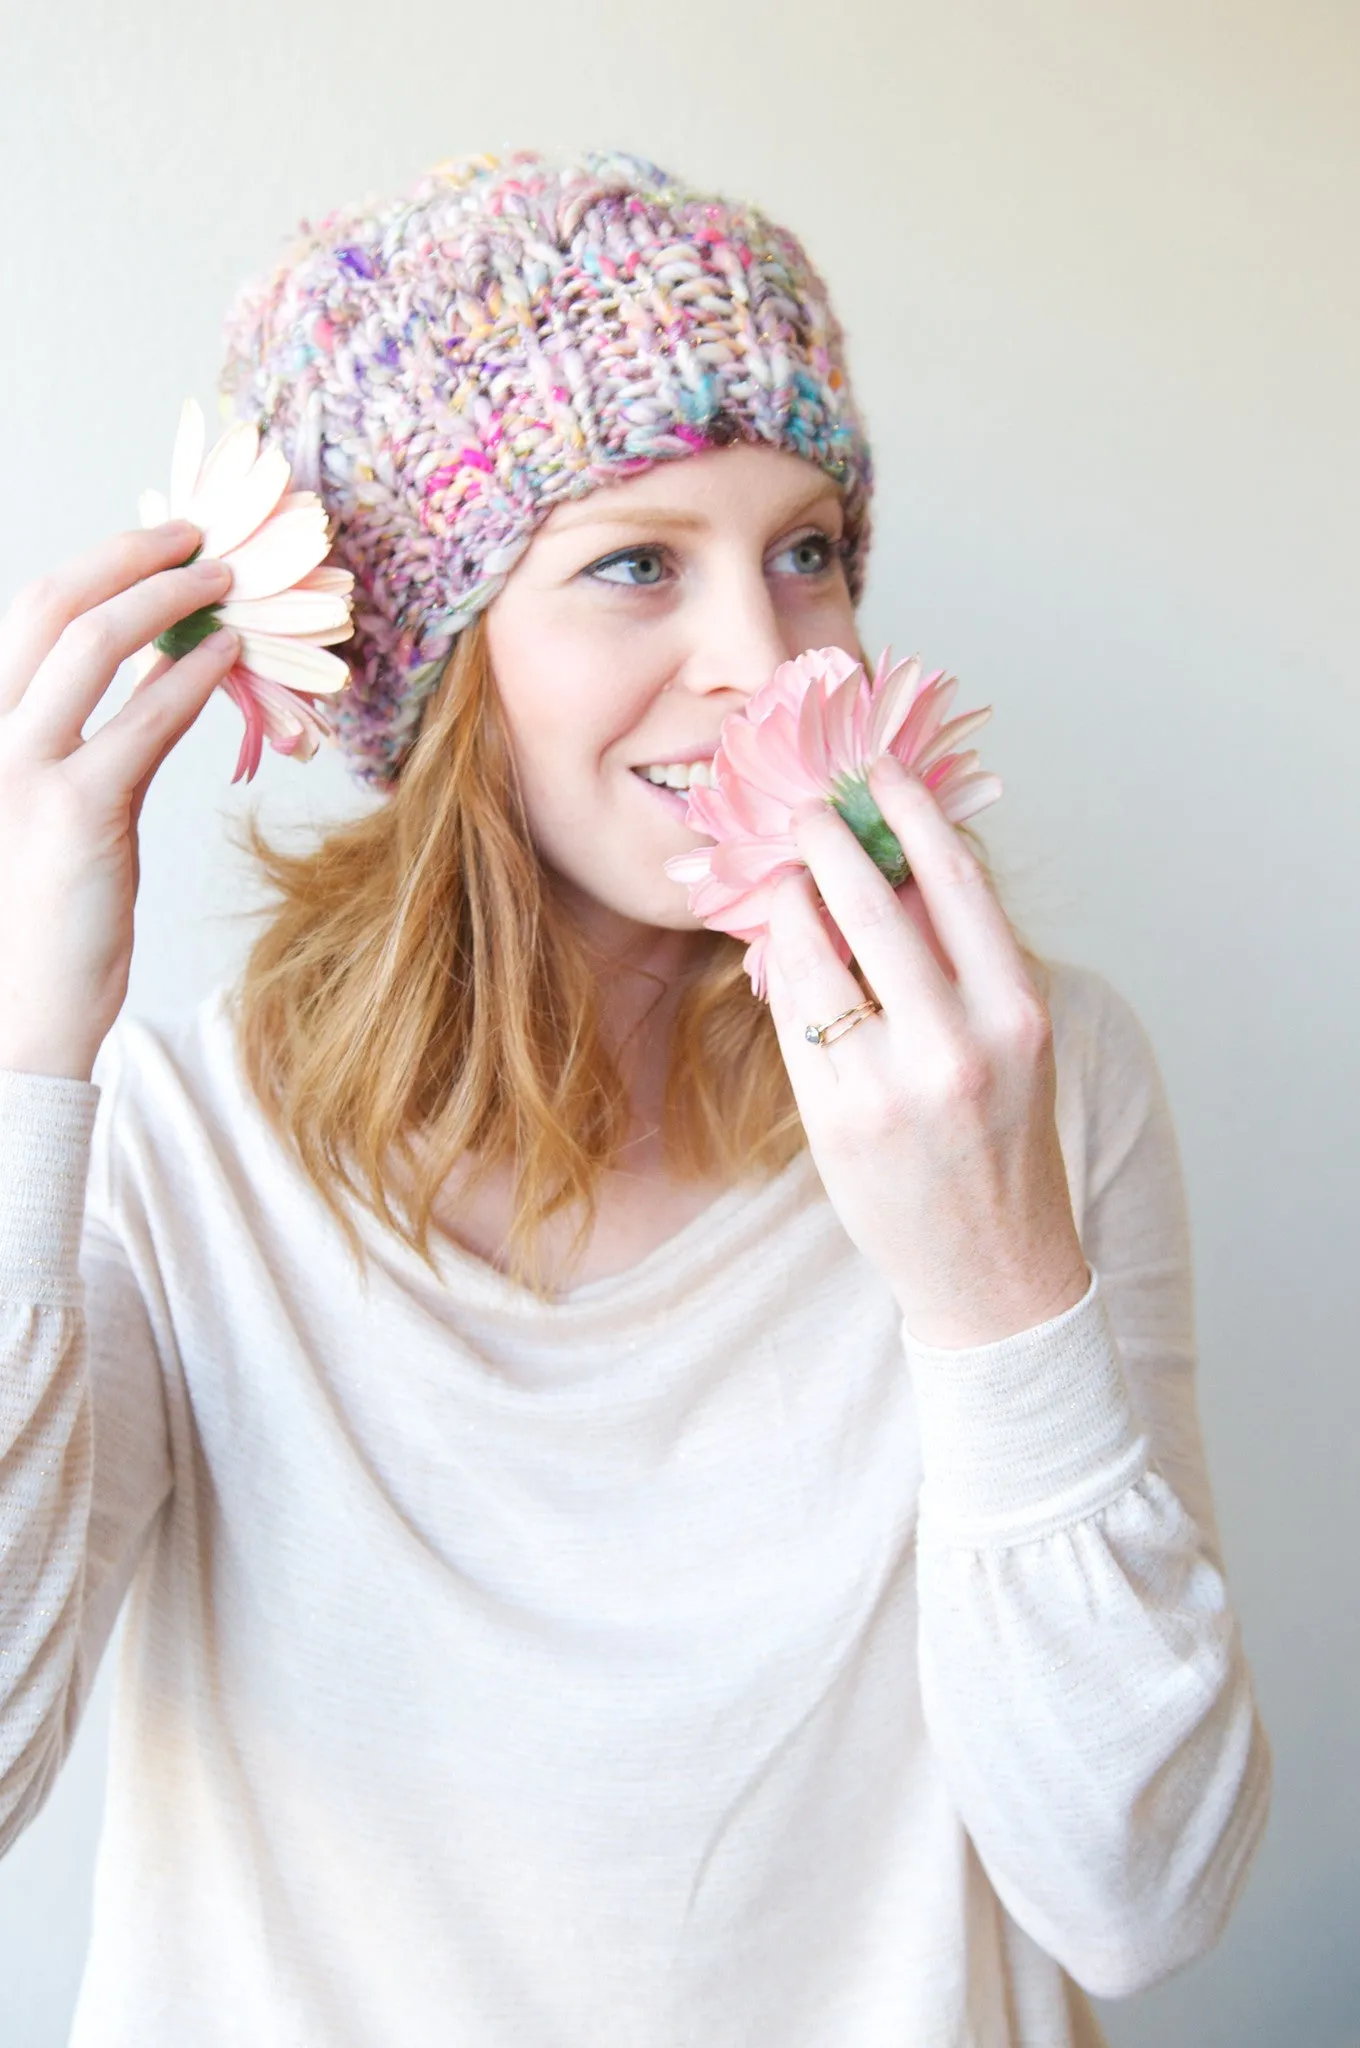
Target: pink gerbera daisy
[286, 607]
[812, 731]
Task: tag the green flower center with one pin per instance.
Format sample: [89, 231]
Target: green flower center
[186, 634]
[851, 798]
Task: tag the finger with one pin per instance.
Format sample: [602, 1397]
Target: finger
[809, 982]
[975, 930]
[126, 752]
[911, 900]
[902, 968]
[41, 611]
[173, 735]
[78, 671]
[152, 673]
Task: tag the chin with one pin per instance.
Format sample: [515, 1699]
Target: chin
[662, 908]
[657, 912]
[668, 920]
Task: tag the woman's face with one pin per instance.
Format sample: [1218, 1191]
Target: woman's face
[637, 619]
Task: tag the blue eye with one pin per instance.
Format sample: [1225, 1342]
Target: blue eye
[631, 555]
[823, 550]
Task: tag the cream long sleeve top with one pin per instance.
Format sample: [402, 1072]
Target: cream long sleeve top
[692, 1661]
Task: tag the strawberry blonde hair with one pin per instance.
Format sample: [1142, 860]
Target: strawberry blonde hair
[417, 996]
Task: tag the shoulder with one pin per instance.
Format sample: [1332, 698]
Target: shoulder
[1096, 1029]
[167, 1074]
[183, 1154]
[1112, 1107]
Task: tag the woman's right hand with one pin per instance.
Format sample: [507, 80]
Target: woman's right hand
[69, 807]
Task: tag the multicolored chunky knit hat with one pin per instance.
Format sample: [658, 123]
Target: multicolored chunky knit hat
[446, 367]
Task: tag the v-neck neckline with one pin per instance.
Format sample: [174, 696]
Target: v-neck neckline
[733, 1219]
[733, 1216]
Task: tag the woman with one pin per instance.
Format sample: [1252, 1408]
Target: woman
[639, 1526]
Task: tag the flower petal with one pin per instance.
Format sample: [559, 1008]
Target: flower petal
[829, 667]
[243, 509]
[884, 670]
[895, 697]
[187, 459]
[787, 686]
[232, 456]
[948, 769]
[279, 554]
[812, 738]
[779, 744]
[753, 960]
[745, 863]
[330, 636]
[949, 736]
[730, 907]
[689, 867]
[305, 612]
[965, 799]
[710, 810]
[291, 501]
[238, 688]
[227, 465]
[840, 724]
[294, 663]
[808, 733]
[327, 579]
[922, 721]
[768, 757]
[290, 724]
[754, 810]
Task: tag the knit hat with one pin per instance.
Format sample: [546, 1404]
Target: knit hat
[445, 367]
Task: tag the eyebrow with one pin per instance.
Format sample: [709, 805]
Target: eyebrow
[660, 515]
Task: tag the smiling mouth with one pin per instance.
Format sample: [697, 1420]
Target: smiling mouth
[679, 776]
[676, 801]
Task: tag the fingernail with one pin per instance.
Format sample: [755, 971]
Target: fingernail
[887, 768]
[223, 641]
[177, 529]
[210, 569]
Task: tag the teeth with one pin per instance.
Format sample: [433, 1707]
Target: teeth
[680, 774]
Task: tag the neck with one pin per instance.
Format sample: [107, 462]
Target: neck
[642, 971]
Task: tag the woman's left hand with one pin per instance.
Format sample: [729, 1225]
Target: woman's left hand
[932, 1125]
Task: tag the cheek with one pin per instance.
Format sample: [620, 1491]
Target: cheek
[569, 694]
[835, 620]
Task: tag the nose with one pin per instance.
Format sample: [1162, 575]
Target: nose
[738, 641]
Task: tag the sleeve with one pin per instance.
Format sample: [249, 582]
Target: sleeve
[1082, 1671]
[84, 1457]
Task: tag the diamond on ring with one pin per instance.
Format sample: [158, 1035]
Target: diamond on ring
[820, 1034]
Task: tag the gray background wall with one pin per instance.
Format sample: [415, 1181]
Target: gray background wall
[1097, 263]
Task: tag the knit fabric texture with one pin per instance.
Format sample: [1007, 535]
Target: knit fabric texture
[445, 367]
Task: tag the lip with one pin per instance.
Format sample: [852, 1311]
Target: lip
[682, 759]
[675, 800]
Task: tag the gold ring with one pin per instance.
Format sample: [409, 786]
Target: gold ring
[817, 1034]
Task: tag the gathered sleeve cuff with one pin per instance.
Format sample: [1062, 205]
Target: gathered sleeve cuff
[1028, 1432]
[46, 1123]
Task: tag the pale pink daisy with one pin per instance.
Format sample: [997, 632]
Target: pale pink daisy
[287, 608]
[811, 732]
